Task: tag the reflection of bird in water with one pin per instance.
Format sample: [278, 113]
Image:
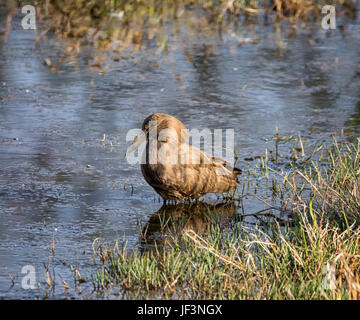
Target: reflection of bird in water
[175, 169]
[176, 218]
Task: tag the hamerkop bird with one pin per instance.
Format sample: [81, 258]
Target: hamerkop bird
[175, 169]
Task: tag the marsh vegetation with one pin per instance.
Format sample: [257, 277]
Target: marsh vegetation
[206, 252]
[115, 29]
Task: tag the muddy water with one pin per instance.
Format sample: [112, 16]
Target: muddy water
[61, 187]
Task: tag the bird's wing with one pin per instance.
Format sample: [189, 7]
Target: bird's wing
[203, 159]
[206, 175]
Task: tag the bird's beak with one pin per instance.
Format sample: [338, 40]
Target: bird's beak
[139, 139]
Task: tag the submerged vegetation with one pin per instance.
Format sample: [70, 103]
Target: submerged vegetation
[314, 255]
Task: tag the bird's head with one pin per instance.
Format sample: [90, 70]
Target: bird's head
[162, 128]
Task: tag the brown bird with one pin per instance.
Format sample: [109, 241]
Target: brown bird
[175, 169]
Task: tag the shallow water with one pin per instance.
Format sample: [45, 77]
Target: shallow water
[59, 183]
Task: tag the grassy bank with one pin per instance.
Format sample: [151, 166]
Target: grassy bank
[208, 253]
